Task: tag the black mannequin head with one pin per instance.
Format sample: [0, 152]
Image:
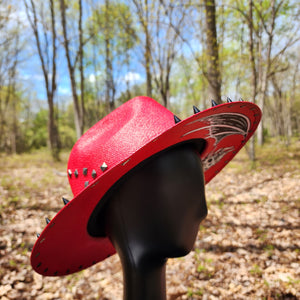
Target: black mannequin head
[159, 206]
[153, 214]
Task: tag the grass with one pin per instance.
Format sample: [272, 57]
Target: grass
[192, 293]
[275, 152]
[270, 250]
[270, 155]
[262, 234]
[39, 158]
[28, 178]
[256, 270]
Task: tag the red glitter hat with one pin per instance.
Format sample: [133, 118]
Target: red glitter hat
[129, 135]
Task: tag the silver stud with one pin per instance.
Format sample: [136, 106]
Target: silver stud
[76, 173]
[69, 173]
[38, 235]
[94, 174]
[86, 184]
[85, 170]
[103, 167]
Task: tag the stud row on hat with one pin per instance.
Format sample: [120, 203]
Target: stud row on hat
[85, 171]
[197, 110]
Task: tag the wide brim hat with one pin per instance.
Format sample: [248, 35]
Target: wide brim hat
[132, 133]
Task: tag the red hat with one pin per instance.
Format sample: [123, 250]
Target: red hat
[123, 139]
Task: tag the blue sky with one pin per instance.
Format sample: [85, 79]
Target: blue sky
[30, 72]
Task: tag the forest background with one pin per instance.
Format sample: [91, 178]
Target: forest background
[65, 64]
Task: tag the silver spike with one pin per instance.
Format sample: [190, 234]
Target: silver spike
[196, 109]
[229, 100]
[76, 173]
[84, 171]
[65, 201]
[38, 235]
[103, 167]
[86, 184]
[213, 103]
[176, 119]
[241, 99]
[47, 221]
[94, 174]
[69, 173]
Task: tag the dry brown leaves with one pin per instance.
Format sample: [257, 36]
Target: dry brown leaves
[248, 247]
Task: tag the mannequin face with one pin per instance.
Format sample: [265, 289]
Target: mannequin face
[161, 205]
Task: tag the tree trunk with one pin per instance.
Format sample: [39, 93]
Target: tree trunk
[148, 63]
[53, 133]
[71, 68]
[107, 75]
[80, 50]
[144, 20]
[53, 130]
[14, 125]
[291, 102]
[253, 74]
[110, 88]
[213, 74]
[147, 51]
[265, 77]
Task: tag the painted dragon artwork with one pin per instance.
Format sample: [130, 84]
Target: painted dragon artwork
[221, 126]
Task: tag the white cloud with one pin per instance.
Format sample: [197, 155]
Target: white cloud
[132, 76]
[92, 78]
[64, 91]
[33, 77]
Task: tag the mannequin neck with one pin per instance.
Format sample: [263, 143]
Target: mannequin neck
[145, 281]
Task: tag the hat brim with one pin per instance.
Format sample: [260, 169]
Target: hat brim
[65, 247]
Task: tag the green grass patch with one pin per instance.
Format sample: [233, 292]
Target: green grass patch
[271, 155]
[256, 270]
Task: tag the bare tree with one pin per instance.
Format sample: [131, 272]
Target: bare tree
[269, 60]
[78, 104]
[47, 49]
[165, 46]
[212, 74]
[210, 70]
[161, 43]
[113, 38]
[253, 71]
[110, 85]
[143, 13]
[9, 59]
[265, 59]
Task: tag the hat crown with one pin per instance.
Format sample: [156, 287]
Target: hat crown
[114, 138]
